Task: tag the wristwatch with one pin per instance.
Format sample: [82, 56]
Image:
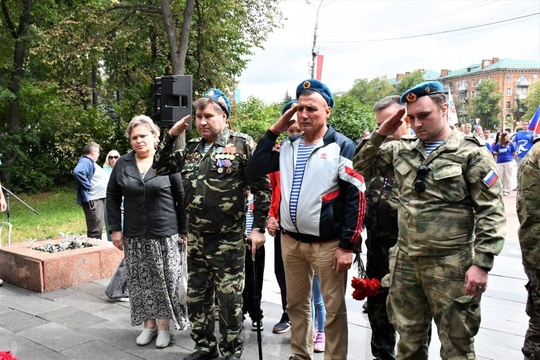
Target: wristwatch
[261, 230]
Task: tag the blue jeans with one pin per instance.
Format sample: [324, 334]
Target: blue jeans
[318, 311]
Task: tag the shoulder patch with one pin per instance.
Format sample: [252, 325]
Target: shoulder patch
[476, 140]
[409, 138]
[194, 140]
[490, 178]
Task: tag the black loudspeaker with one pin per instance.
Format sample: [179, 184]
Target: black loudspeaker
[176, 99]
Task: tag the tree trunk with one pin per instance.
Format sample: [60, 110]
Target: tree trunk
[178, 54]
[19, 35]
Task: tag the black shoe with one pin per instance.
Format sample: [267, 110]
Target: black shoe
[232, 357]
[283, 326]
[255, 324]
[202, 356]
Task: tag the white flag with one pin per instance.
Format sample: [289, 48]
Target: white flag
[452, 113]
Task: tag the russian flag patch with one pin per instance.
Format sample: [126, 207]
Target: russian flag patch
[490, 178]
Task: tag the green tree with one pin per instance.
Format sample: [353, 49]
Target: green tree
[350, 117]
[89, 66]
[253, 117]
[485, 104]
[408, 81]
[533, 100]
[369, 92]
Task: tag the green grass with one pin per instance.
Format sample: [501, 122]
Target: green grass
[58, 211]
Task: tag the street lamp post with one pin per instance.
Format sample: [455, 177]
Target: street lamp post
[314, 51]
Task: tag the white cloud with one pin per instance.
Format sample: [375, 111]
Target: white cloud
[353, 36]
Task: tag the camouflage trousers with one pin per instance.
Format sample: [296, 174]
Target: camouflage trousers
[383, 334]
[423, 288]
[531, 348]
[216, 270]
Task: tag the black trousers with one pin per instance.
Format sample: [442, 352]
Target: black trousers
[279, 270]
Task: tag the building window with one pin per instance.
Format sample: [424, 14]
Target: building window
[472, 82]
[522, 78]
[508, 91]
[535, 78]
[473, 94]
[508, 104]
[479, 81]
[509, 78]
[521, 91]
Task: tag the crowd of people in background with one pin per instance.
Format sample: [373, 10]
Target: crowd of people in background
[405, 185]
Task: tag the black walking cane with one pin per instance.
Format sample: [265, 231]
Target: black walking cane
[257, 302]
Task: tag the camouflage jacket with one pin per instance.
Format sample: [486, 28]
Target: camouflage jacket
[216, 183]
[528, 206]
[381, 210]
[462, 206]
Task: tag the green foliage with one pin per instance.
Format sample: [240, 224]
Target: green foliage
[253, 117]
[89, 67]
[369, 92]
[350, 117]
[409, 81]
[533, 100]
[485, 104]
[50, 140]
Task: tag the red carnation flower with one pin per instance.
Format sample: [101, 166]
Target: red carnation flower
[6, 355]
[364, 287]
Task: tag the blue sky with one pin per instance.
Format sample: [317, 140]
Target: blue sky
[366, 39]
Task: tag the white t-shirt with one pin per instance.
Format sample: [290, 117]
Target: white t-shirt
[99, 183]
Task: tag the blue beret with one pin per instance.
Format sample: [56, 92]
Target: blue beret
[220, 98]
[317, 86]
[424, 88]
[289, 105]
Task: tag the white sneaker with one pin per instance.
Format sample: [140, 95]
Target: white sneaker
[163, 339]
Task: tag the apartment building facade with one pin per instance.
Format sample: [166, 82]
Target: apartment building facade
[514, 78]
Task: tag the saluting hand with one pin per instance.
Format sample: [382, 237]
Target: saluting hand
[284, 122]
[390, 125]
[180, 126]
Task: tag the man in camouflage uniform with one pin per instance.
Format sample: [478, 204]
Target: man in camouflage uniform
[215, 174]
[451, 223]
[382, 232]
[528, 205]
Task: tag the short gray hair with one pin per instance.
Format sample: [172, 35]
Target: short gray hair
[142, 120]
[387, 102]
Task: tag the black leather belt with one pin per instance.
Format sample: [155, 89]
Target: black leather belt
[306, 238]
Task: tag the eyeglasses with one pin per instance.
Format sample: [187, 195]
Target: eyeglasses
[114, 157]
[419, 183]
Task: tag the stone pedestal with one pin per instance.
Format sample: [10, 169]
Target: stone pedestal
[41, 271]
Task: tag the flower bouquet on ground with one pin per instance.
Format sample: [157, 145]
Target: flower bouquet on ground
[362, 285]
[6, 355]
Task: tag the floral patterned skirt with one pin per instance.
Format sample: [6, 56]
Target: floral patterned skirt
[154, 270]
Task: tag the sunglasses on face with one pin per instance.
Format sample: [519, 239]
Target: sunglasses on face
[114, 157]
[419, 183]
